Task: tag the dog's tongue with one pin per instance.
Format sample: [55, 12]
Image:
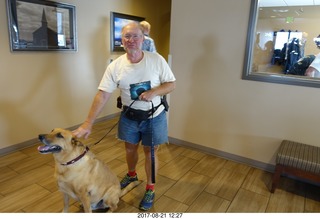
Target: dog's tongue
[49, 149]
[44, 148]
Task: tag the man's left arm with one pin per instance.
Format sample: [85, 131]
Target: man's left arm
[161, 90]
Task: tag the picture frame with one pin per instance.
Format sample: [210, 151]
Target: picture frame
[36, 25]
[118, 20]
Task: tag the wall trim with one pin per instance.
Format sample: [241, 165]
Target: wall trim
[31, 142]
[253, 163]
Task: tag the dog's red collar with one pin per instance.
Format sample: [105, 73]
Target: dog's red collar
[77, 158]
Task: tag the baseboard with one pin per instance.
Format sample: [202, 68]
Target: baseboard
[254, 163]
[29, 143]
[17, 147]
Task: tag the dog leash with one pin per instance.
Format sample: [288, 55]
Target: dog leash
[111, 127]
[105, 135]
[153, 168]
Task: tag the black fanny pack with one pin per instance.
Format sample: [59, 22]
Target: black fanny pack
[141, 115]
[137, 115]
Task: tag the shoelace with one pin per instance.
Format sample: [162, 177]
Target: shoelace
[148, 196]
[127, 179]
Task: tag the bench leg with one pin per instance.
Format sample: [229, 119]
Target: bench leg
[276, 177]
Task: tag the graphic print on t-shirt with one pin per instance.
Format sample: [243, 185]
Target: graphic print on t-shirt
[139, 88]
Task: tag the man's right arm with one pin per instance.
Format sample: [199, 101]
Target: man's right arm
[99, 102]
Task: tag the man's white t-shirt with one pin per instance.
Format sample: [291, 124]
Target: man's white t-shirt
[121, 73]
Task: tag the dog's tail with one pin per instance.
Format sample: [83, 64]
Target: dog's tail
[130, 187]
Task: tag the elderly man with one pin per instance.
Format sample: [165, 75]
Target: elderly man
[143, 78]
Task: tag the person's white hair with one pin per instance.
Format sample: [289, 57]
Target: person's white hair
[146, 27]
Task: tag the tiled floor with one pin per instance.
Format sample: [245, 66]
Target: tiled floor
[188, 181]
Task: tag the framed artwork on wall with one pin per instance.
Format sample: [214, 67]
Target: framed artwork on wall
[36, 25]
[119, 20]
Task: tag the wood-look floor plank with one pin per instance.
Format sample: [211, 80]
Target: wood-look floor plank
[12, 158]
[110, 154]
[117, 166]
[30, 163]
[7, 173]
[258, 181]
[178, 167]
[312, 206]
[248, 202]
[207, 203]
[238, 167]
[188, 187]
[23, 197]
[209, 165]
[167, 153]
[26, 179]
[166, 204]
[124, 207]
[191, 153]
[226, 184]
[49, 183]
[285, 201]
[51, 203]
[162, 185]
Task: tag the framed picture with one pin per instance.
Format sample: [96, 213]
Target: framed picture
[36, 25]
[119, 20]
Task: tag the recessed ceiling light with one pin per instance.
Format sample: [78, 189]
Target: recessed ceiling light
[280, 10]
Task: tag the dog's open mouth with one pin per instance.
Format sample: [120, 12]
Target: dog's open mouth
[46, 149]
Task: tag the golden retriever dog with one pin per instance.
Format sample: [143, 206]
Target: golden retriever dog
[79, 173]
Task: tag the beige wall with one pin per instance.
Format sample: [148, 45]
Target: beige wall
[44, 90]
[212, 106]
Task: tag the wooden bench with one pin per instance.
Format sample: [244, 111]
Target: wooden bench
[297, 159]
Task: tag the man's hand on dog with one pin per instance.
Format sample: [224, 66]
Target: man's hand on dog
[83, 130]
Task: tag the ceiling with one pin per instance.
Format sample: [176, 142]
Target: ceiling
[280, 3]
[289, 8]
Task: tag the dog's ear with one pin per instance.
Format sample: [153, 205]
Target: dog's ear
[76, 142]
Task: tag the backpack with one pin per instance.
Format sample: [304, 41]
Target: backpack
[301, 65]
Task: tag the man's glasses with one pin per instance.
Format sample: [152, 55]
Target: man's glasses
[135, 37]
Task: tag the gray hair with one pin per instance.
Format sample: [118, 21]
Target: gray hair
[133, 23]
